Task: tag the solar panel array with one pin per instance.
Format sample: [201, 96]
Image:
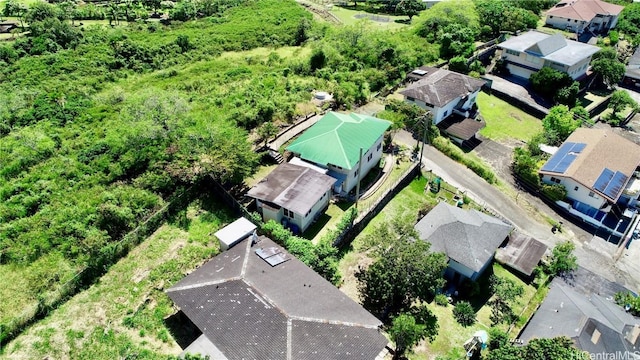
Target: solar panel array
[564, 157]
[272, 255]
[610, 182]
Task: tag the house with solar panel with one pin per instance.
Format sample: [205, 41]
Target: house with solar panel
[293, 195]
[335, 143]
[257, 301]
[600, 171]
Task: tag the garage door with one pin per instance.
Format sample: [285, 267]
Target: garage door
[518, 71]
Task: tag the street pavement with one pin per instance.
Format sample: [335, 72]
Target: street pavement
[594, 254]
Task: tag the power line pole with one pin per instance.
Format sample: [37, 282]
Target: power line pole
[426, 118]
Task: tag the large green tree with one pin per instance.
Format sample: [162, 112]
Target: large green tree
[629, 19]
[403, 270]
[410, 8]
[620, 100]
[559, 124]
[605, 63]
[548, 81]
[505, 292]
[445, 13]
[408, 329]
[563, 260]
[560, 348]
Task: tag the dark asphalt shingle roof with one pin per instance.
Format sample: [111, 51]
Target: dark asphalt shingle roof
[468, 237]
[565, 312]
[439, 87]
[243, 305]
[293, 187]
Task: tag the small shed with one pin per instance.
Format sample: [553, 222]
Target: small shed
[234, 233]
[522, 253]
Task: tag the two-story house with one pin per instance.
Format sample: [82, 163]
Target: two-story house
[335, 143]
[599, 170]
[527, 53]
[583, 15]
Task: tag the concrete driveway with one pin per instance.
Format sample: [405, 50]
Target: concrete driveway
[528, 215]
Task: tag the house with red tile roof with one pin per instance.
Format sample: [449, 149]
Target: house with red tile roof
[583, 15]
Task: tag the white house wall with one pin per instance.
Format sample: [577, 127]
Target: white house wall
[581, 194]
[579, 69]
[352, 179]
[461, 269]
[315, 210]
[268, 213]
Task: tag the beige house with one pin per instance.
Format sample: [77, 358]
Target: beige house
[583, 15]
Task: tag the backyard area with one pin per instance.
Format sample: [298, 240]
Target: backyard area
[381, 21]
[452, 335]
[505, 121]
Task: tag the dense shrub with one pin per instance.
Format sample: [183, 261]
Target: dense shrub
[464, 313]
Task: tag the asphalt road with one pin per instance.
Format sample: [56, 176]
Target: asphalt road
[593, 254]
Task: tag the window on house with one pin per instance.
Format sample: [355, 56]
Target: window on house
[445, 113]
[513, 52]
[409, 98]
[575, 188]
[592, 194]
[369, 157]
[378, 147]
[356, 173]
[288, 213]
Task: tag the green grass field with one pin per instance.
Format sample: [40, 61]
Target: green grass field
[505, 121]
[125, 312]
[350, 17]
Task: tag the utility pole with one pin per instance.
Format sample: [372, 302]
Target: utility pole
[426, 118]
[359, 175]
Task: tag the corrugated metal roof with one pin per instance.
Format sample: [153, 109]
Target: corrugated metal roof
[293, 187]
[337, 138]
[439, 87]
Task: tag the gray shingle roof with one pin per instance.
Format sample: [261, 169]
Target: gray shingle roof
[468, 237]
[293, 187]
[251, 310]
[439, 87]
[566, 312]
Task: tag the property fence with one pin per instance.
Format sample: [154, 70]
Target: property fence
[369, 208]
[97, 266]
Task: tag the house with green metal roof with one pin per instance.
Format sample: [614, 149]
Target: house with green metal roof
[334, 143]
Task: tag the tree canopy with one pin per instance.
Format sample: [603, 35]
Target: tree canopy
[605, 63]
[403, 271]
[539, 348]
[563, 260]
[559, 124]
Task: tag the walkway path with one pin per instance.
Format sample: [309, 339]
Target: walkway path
[595, 256]
[293, 131]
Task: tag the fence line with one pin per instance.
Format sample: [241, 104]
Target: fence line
[98, 265]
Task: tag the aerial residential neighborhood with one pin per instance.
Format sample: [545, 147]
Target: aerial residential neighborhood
[318, 179]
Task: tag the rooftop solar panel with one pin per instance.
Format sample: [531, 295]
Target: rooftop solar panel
[564, 157]
[277, 259]
[267, 252]
[615, 185]
[603, 180]
[578, 147]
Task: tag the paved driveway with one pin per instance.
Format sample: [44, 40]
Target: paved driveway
[528, 215]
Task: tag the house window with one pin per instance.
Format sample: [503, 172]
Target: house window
[356, 173]
[409, 98]
[378, 147]
[575, 20]
[289, 213]
[369, 157]
[513, 52]
[555, 180]
[551, 17]
[592, 194]
[445, 113]
[575, 188]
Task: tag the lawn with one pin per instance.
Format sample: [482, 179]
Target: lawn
[127, 312]
[382, 21]
[505, 121]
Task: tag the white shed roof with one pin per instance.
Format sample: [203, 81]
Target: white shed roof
[234, 232]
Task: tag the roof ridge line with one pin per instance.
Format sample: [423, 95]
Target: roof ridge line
[246, 259]
[206, 283]
[344, 153]
[333, 322]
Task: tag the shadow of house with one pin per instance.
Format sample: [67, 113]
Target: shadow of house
[257, 301]
[469, 238]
